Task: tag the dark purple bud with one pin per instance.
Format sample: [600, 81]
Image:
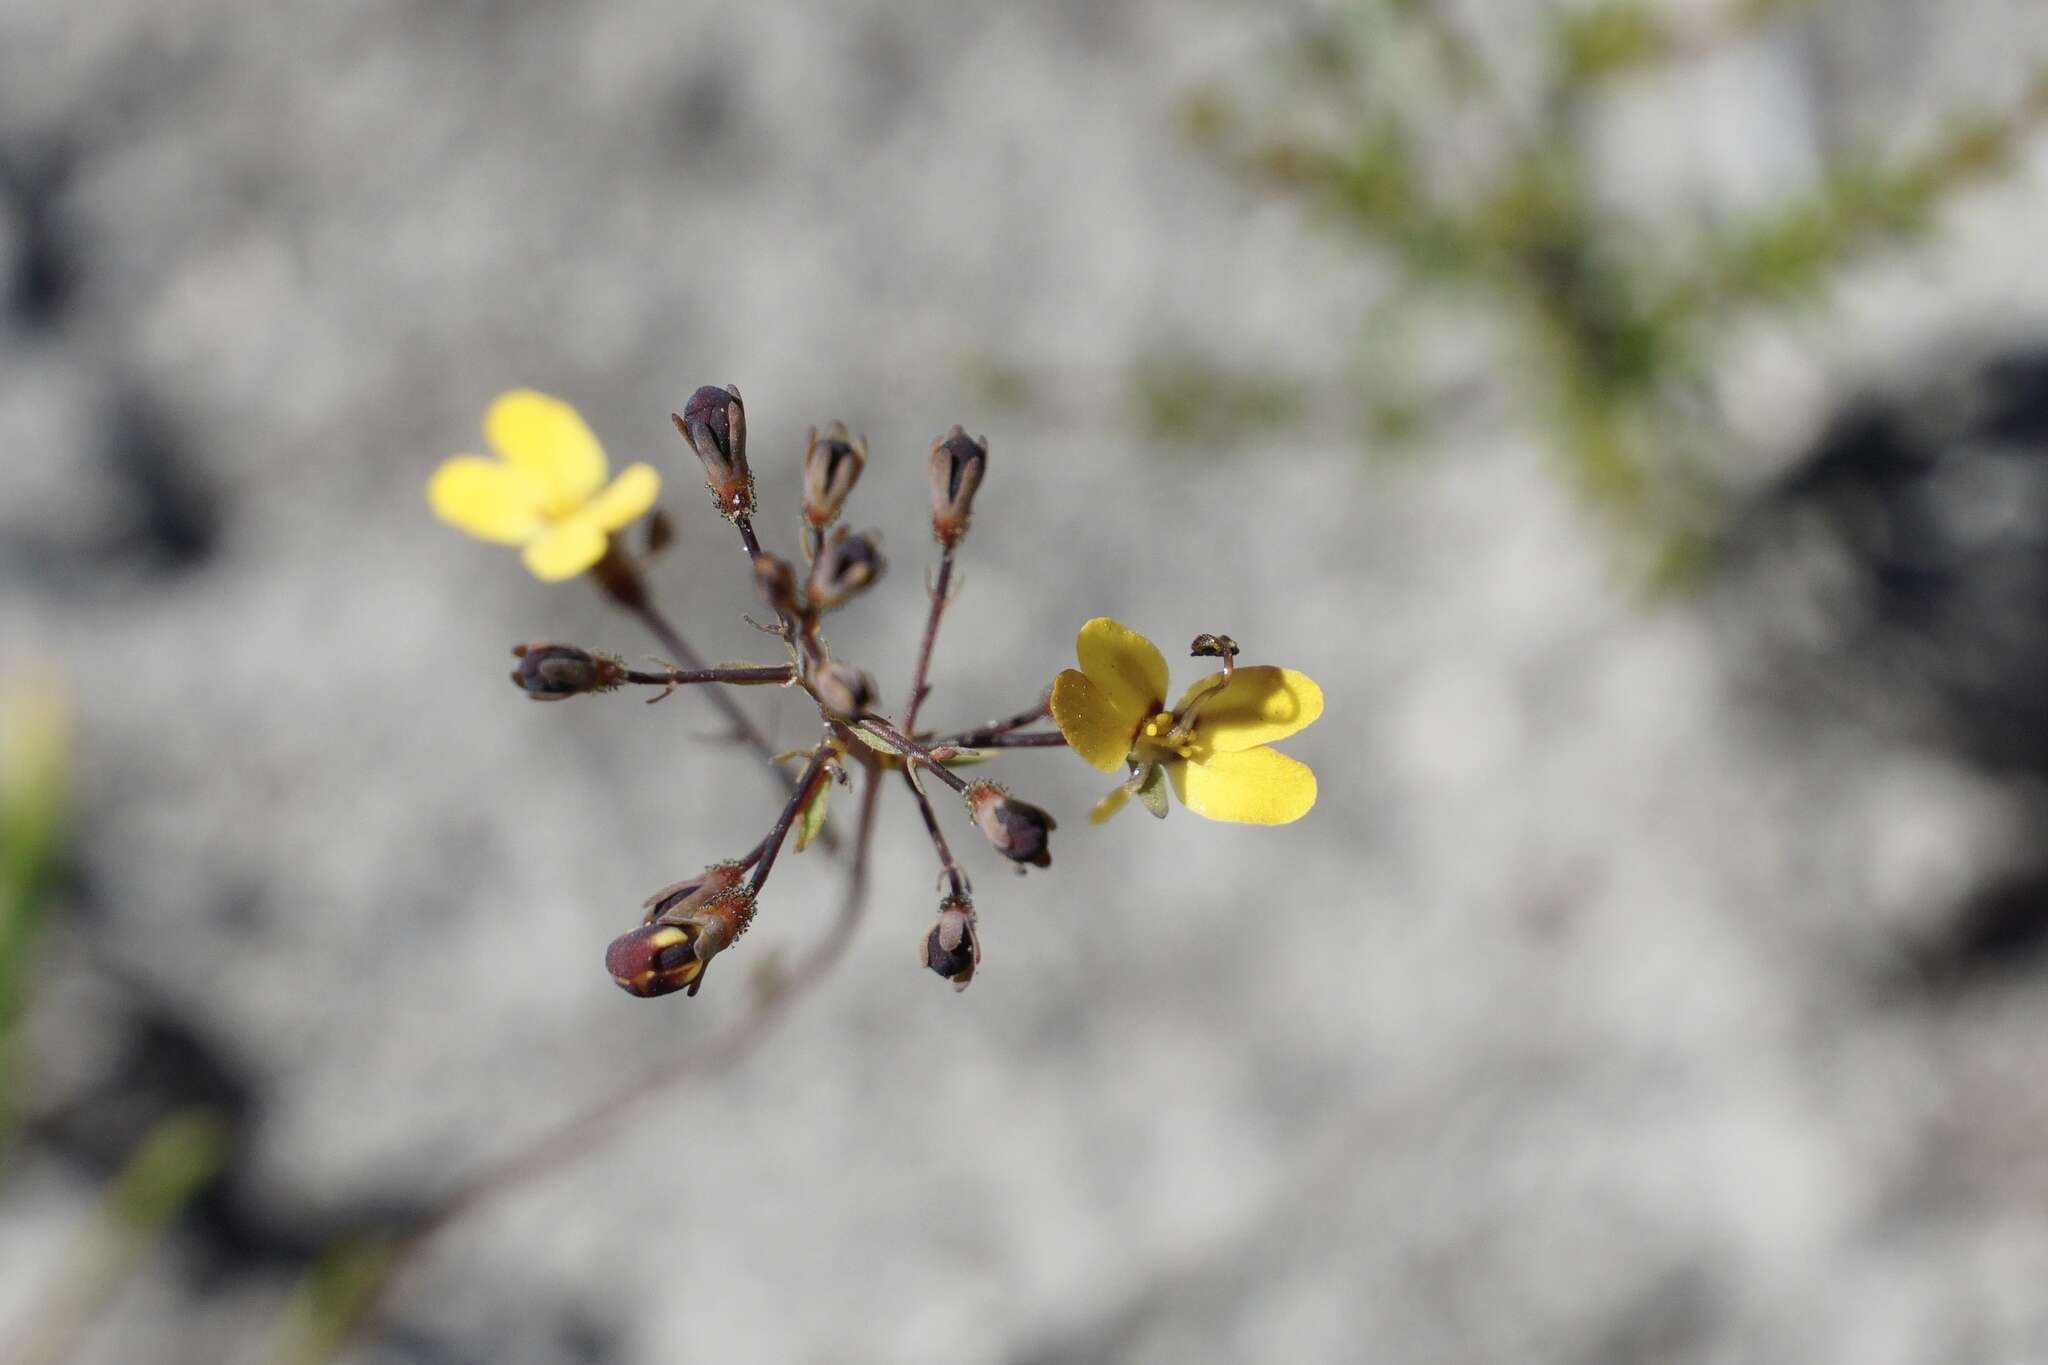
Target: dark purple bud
[775, 578]
[832, 465]
[550, 672]
[714, 423]
[957, 464]
[952, 947]
[845, 566]
[844, 690]
[1018, 829]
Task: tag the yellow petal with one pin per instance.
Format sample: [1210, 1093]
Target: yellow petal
[564, 550]
[630, 494]
[1108, 805]
[1257, 706]
[1125, 666]
[1253, 787]
[490, 500]
[544, 435]
[1094, 728]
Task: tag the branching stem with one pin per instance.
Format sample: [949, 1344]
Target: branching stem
[911, 750]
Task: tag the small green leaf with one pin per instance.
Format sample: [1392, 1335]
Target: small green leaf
[964, 758]
[874, 741]
[1152, 791]
[812, 818]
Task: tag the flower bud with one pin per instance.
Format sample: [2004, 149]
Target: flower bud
[666, 956]
[550, 672]
[845, 566]
[678, 900]
[957, 464]
[714, 423]
[832, 465]
[1018, 829]
[843, 690]
[655, 959]
[775, 577]
[952, 947]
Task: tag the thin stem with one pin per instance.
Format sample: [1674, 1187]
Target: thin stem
[680, 677]
[691, 659]
[940, 589]
[815, 773]
[954, 877]
[984, 736]
[1036, 739]
[747, 536]
[911, 750]
[579, 1135]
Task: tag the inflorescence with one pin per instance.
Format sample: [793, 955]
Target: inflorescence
[547, 492]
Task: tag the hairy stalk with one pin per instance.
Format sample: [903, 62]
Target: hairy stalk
[941, 588]
[579, 1135]
[681, 677]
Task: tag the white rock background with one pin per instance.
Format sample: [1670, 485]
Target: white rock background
[1557, 1033]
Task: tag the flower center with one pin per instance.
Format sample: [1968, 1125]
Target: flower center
[1163, 737]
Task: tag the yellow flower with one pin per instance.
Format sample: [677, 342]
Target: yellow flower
[546, 491]
[1211, 746]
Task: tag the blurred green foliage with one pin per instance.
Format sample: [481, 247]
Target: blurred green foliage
[1395, 124]
[34, 804]
[174, 1162]
[178, 1156]
[332, 1301]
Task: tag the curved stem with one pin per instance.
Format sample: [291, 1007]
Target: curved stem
[955, 878]
[579, 1135]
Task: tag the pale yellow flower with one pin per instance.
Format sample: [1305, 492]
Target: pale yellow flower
[546, 491]
[1211, 747]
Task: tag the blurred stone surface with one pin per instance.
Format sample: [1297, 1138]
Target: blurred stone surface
[1578, 1023]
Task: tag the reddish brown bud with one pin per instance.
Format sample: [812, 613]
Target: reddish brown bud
[551, 672]
[832, 465]
[671, 953]
[844, 690]
[656, 959]
[952, 946]
[1018, 829]
[957, 464]
[845, 566]
[714, 423]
